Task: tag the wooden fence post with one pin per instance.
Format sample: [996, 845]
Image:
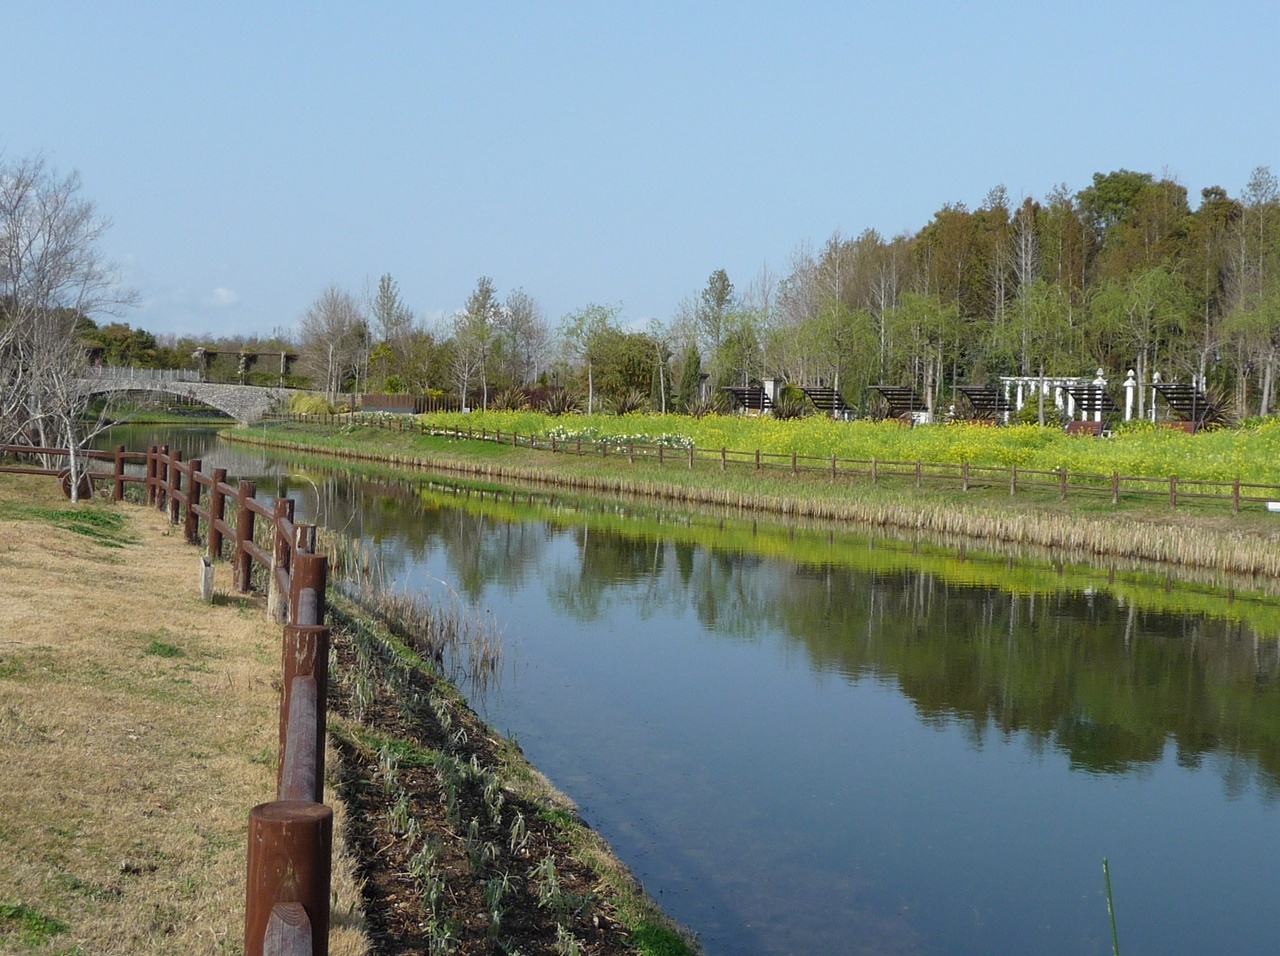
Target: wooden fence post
[691, 457]
[794, 470]
[757, 459]
[305, 656]
[287, 889]
[875, 471]
[117, 489]
[162, 476]
[191, 524]
[307, 580]
[1062, 483]
[244, 532]
[1235, 497]
[1173, 491]
[723, 462]
[1115, 487]
[153, 463]
[964, 476]
[1013, 480]
[659, 455]
[918, 472]
[280, 544]
[175, 485]
[217, 512]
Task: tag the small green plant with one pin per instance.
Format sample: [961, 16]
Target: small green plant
[495, 891]
[33, 927]
[566, 943]
[159, 648]
[551, 895]
[399, 815]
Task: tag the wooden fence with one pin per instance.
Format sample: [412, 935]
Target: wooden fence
[963, 475]
[290, 838]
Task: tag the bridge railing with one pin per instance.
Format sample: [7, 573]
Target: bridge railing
[133, 373]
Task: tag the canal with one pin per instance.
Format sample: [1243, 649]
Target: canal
[804, 739]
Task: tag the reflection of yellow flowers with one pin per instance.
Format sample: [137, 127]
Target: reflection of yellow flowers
[1251, 454]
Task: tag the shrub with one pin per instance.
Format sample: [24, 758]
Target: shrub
[510, 400]
[629, 402]
[560, 402]
[309, 403]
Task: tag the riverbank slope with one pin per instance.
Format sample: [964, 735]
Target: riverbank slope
[1198, 533]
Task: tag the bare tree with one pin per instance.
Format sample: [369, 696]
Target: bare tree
[526, 337]
[334, 337]
[52, 274]
[476, 336]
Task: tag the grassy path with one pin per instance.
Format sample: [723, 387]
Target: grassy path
[137, 728]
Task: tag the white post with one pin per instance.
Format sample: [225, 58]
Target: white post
[1100, 383]
[1155, 380]
[1130, 386]
[1018, 406]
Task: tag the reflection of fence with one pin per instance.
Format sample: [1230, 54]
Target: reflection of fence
[944, 474]
[290, 839]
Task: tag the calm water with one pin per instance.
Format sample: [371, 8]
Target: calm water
[806, 741]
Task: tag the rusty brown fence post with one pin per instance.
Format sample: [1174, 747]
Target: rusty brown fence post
[191, 526]
[244, 532]
[287, 891]
[162, 476]
[174, 485]
[117, 475]
[217, 512]
[305, 670]
[282, 514]
[307, 580]
[153, 464]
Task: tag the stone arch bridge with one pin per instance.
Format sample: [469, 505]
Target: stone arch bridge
[245, 403]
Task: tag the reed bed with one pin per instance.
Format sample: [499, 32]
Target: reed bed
[461, 643]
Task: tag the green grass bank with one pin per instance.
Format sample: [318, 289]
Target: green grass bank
[1199, 533]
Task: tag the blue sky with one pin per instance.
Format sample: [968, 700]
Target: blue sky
[249, 154]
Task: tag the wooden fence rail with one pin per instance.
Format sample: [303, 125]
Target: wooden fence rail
[965, 475]
[290, 838]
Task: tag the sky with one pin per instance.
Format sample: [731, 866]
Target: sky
[249, 155]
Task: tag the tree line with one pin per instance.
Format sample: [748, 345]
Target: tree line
[1122, 274]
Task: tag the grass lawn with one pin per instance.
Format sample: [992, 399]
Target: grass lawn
[137, 728]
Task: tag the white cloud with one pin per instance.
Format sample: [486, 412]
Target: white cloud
[222, 298]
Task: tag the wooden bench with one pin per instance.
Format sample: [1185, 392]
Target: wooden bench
[750, 397]
[1084, 428]
[902, 400]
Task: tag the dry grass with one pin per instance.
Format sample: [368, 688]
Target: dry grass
[137, 728]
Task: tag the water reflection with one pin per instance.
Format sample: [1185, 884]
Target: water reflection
[811, 740]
